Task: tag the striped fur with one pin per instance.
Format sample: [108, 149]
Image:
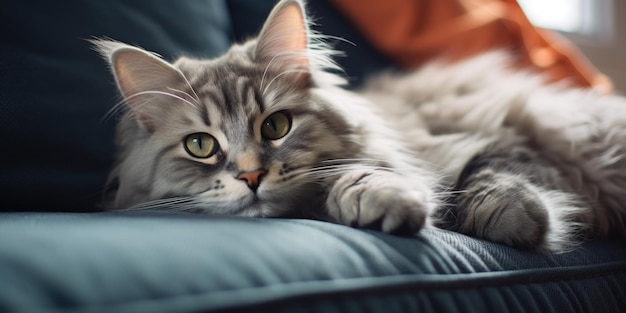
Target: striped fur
[471, 146]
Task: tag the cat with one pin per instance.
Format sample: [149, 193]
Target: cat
[268, 130]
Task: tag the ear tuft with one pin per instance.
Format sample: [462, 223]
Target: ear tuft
[137, 70]
[141, 77]
[283, 41]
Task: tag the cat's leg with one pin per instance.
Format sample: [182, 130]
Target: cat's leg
[381, 199]
[508, 194]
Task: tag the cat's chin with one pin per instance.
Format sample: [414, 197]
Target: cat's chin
[255, 205]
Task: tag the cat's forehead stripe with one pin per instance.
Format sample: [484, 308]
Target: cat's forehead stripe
[213, 97]
[231, 87]
[245, 88]
[258, 98]
[204, 113]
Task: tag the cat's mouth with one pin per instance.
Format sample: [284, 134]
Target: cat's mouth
[253, 202]
[258, 205]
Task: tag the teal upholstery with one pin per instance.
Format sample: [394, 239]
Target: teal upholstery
[57, 148]
[114, 262]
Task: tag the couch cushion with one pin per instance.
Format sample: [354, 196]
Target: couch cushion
[55, 90]
[148, 262]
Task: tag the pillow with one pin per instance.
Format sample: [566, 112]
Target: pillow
[55, 91]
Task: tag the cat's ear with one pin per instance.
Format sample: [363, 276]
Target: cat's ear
[283, 42]
[141, 76]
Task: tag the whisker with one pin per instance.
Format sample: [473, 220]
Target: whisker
[186, 94]
[161, 204]
[281, 74]
[192, 90]
[277, 55]
[326, 37]
[119, 106]
[266, 69]
[455, 192]
[115, 109]
[157, 92]
[352, 160]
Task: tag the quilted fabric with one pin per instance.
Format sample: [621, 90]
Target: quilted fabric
[114, 262]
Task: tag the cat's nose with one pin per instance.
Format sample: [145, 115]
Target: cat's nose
[252, 178]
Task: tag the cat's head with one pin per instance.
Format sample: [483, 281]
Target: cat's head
[239, 134]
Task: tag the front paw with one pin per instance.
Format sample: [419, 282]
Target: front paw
[382, 200]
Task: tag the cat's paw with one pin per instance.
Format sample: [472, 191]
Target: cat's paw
[381, 200]
[504, 210]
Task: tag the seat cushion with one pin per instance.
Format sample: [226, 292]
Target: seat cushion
[55, 91]
[158, 262]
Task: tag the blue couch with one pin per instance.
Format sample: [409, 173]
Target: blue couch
[58, 253]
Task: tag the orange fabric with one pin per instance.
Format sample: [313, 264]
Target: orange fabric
[415, 31]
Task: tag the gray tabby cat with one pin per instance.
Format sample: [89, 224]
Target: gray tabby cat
[266, 131]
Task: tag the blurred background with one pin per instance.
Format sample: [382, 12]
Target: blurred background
[598, 28]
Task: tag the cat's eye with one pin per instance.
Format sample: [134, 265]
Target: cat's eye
[276, 126]
[201, 145]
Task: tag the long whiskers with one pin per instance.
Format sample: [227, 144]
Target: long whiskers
[328, 170]
[195, 100]
[119, 106]
[168, 204]
[283, 54]
[115, 109]
[281, 74]
[267, 68]
[192, 90]
[157, 92]
[316, 174]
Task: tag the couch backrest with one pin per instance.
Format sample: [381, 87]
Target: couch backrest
[55, 90]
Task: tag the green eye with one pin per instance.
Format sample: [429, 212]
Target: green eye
[201, 145]
[276, 126]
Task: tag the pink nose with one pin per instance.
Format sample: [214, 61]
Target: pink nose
[252, 178]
